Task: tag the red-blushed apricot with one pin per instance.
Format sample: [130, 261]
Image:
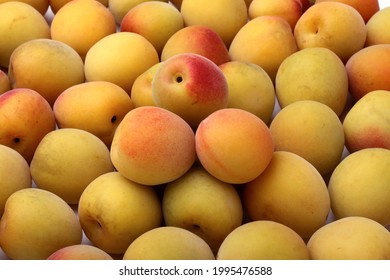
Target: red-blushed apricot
[191, 86]
[80, 252]
[368, 70]
[153, 146]
[197, 39]
[234, 145]
[367, 123]
[25, 118]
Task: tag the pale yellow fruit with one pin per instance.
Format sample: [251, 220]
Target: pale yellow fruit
[250, 88]
[120, 58]
[265, 41]
[81, 23]
[350, 238]
[290, 191]
[36, 223]
[332, 25]
[67, 160]
[263, 240]
[225, 17]
[377, 28]
[114, 211]
[168, 243]
[52, 66]
[19, 23]
[359, 186]
[148, 18]
[4, 82]
[97, 107]
[313, 74]
[203, 205]
[14, 174]
[311, 130]
[141, 91]
[119, 8]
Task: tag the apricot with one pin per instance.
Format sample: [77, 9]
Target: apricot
[141, 91]
[367, 123]
[168, 243]
[332, 25]
[359, 186]
[265, 41]
[97, 107]
[53, 67]
[368, 70]
[147, 18]
[153, 146]
[311, 130]
[350, 238]
[225, 17]
[377, 28]
[366, 8]
[289, 191]
[198, 39]
[120, 58]
[313, 74]
[67, 160]
[25, 118]
[234, 145]
[190, 86]
[250, 88]
[263, 240]
[19, 23]
[81, 23]
[80, 252]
